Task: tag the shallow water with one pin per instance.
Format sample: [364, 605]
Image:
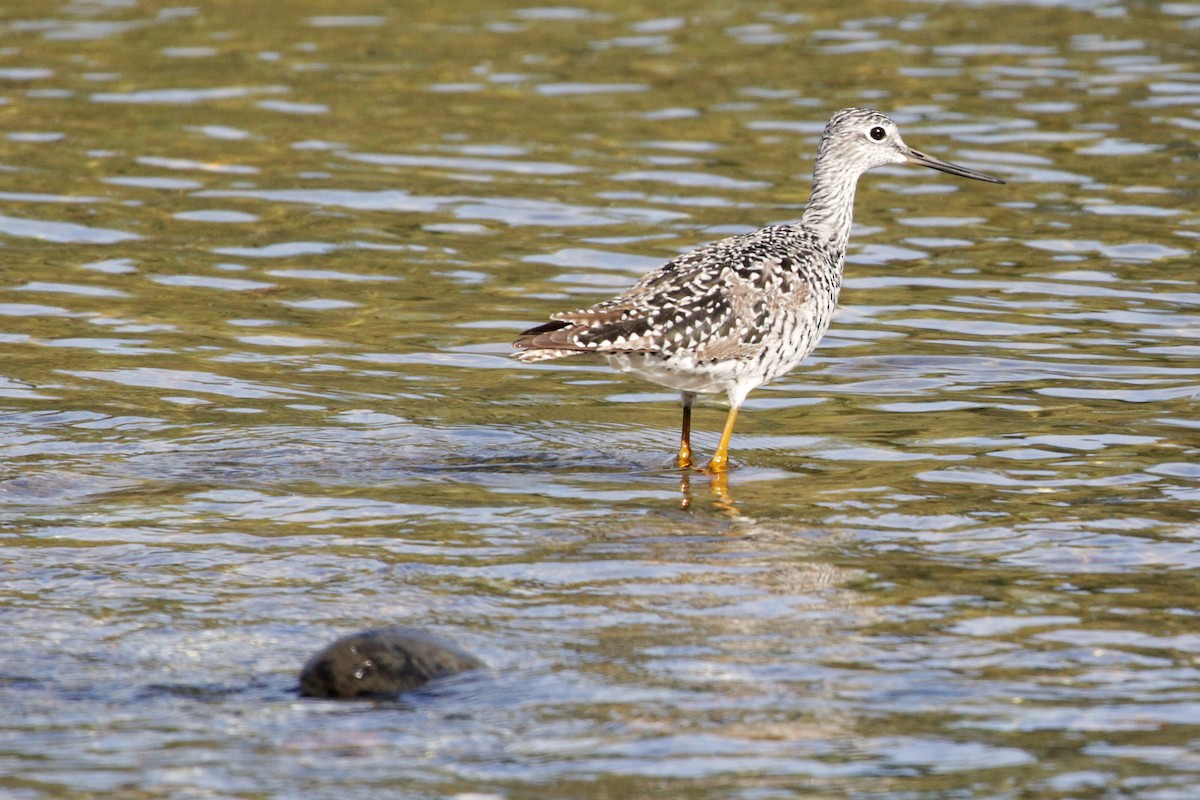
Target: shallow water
[262, 267]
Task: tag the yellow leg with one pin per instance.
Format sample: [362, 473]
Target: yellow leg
[684, 461]
[720, 459]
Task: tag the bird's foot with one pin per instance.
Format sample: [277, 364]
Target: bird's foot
[719, 465]
[684, 459]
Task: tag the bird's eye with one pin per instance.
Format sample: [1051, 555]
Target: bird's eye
[878, 133]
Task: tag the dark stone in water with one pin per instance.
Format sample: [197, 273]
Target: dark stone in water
[381, 662]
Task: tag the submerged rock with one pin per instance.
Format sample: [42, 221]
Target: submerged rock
[383, 661]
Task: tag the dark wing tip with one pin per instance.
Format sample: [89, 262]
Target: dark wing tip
[547, 327]
[529, 338]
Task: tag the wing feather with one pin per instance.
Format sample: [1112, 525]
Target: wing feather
[713, 302]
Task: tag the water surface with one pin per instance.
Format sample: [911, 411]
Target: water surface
[262, 266]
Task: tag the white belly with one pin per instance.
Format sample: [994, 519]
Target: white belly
[732, 378]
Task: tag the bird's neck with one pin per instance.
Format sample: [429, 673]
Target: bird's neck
[830, 209]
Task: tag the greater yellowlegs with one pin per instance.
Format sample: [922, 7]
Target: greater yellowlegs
[734, 314]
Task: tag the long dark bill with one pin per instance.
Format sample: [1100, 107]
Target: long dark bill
[917, 157]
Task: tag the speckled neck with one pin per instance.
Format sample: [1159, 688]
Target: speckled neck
[831, 206]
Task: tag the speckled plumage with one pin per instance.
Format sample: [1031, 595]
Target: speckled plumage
[734, 314]
[730, 314]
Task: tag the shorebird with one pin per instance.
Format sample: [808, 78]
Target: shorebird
[732, 315]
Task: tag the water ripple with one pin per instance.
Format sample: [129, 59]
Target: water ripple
[957, 554]
[62, 232]
[179, 96]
